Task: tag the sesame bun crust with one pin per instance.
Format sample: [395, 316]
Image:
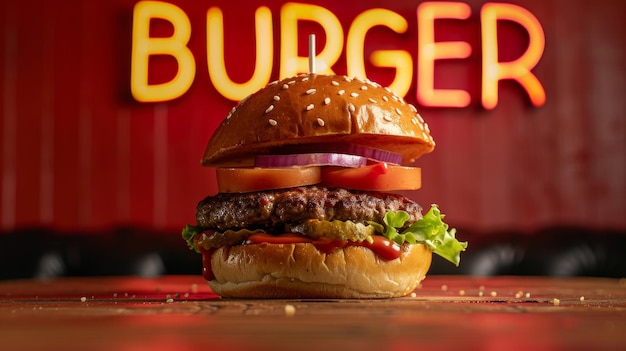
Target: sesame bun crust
[302, 271]
[313, 108]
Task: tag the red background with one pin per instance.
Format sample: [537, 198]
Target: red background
[79, 154]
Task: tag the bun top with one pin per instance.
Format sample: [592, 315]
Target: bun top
[318, 109]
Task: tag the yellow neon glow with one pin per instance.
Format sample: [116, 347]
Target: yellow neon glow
[402, 61]
[519, 69]
[398, 59]
[292, 64]
[215, 54]
[176, 46]
[429, 51]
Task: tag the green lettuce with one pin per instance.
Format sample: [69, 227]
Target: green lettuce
[189, 232]
[430, 230]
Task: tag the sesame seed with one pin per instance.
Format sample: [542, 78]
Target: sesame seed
[387, 118]
[481, 293]
[444, 287]
[385, 98]
[292, 82]
[273, 122]
[274, 82]
[354, 94]
[424, 135]
[364, 87]
[415, 121]
[494, 294]
[556, 302]
[305, 79]
[83, 299]
[285, 86]
[420, 118]
[334, 83]
[519, 294]
[351, 107]
[387, 89]
[371, 100]
[582, 298]
[276, 98]
[340, 92]
[347, 79]
[462, 292]
[326, 101]
[269, 109]
[413, 294]
[398, 111]
[412, 108]
[320, 122]
[426, 127]
[309, 107]
[311, 91]
[230, 114]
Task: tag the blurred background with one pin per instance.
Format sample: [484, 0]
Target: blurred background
[98, 175]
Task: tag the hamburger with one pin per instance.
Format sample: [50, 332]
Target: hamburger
[308, 172]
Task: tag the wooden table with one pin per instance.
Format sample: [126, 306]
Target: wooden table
[181, 313]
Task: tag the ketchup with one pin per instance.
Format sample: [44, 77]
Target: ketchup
[381, 246]
[207, 270]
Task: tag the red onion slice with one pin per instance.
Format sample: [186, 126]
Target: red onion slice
[345, 148]
[310, 159]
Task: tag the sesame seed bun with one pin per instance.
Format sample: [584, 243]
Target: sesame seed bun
[302, 271]
[313, 108]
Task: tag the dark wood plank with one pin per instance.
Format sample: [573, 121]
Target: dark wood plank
[181, 313]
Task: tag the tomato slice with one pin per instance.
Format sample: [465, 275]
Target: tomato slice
[242, 180]
[379, 176]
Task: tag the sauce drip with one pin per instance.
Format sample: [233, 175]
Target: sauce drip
[207, 270]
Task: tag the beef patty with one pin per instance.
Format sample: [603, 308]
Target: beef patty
[271, 210]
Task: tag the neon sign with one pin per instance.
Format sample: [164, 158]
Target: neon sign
[427, 52]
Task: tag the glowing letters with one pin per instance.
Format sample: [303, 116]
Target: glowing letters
[427, 50]
[143, 46]
[399, 59]
[215, 54]
[519, 69]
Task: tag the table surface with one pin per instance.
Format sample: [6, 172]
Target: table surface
[445, 312]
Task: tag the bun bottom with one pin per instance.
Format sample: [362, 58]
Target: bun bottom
[302, 271]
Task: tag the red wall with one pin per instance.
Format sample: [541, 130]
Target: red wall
[79, 153]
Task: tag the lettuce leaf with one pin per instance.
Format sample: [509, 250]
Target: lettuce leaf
[189, 232]
[430, 230]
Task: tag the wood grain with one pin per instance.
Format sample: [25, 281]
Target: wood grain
[181, 313]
